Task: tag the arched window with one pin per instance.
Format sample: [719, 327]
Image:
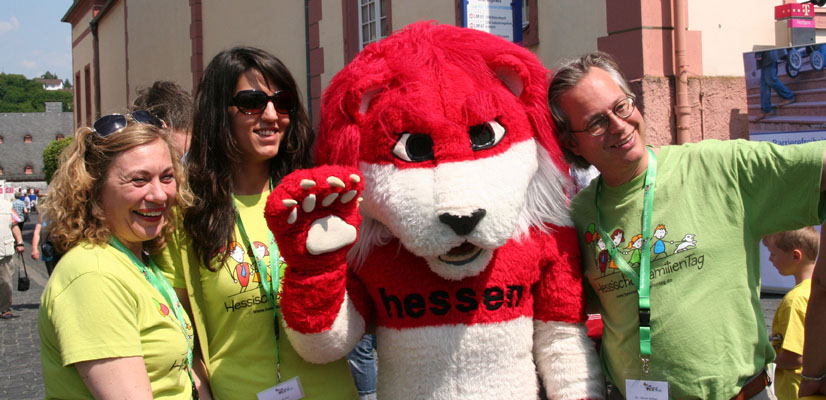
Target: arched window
[1, 139]
[29, 170]
[27, 139]
[1, 171]
[59, 136]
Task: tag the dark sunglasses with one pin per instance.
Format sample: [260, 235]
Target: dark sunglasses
[253, 102]
[112, 123]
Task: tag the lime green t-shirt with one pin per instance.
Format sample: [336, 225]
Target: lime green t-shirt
[97, 305]
[238, 318]
[787, 334]
[713, 203]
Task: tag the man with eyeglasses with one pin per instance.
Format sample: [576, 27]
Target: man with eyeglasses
[688, 322]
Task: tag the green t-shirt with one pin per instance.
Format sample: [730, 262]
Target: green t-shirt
[713, 203]
[787, 334]
[238, 318]
[98, 304]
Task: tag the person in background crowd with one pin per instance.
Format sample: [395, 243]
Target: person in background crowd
[791, 253]
[11, 244]
[20, 208]
[709, 204]
[172, 104]
[42, 247]
[767, 61]
[250, 130]
[110, 324]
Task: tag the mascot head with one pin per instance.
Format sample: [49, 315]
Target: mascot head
[450, 128]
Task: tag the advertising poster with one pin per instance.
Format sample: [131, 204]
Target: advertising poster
[502, 18]
[786, 96]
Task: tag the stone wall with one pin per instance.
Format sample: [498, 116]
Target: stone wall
[718, 108]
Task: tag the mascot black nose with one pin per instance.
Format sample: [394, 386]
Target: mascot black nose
[462, 224]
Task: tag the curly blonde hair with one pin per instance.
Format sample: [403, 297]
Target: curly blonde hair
[73, 206]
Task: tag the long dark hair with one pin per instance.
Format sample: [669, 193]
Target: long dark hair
[214, 151]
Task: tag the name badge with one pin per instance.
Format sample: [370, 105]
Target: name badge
[646, 390]
[289, 390]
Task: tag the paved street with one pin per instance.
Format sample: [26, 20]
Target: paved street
[20, 373]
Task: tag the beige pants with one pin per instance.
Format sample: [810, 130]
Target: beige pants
[7, 267]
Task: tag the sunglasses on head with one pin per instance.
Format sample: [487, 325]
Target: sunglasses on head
[112, 123]
[253, 102]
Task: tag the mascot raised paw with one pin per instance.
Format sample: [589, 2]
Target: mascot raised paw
[440, 219]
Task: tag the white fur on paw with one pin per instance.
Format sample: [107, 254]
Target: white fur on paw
[329, 234]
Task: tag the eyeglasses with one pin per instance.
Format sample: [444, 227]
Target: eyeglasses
[253, 102]
[112, 123]
[598, 126]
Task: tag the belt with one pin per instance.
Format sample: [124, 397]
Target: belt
[753, 387]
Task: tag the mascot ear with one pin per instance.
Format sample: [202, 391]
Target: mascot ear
[359, 97]
[345, 105]
[513, 73]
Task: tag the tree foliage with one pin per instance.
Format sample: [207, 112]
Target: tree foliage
[51, 156]
[18, 94]
[48, 75]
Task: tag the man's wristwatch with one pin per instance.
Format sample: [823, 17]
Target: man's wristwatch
[19, 244]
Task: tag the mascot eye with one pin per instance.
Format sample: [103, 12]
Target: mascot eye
[414, 147]
[485, 136]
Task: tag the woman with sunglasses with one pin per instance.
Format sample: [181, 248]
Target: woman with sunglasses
[250, 130]
[110, 324]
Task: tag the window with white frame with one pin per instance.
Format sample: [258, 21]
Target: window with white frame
[372, 21]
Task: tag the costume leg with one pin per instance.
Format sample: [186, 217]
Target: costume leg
[6, 273]
[362, 363]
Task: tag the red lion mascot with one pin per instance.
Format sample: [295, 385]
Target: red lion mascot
[459, 252]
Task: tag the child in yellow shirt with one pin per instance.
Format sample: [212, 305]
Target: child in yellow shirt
[791, 253]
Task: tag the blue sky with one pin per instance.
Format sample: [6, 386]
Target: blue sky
[33, 40]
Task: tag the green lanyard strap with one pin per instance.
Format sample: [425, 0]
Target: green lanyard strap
[641, 281]
[270, 290]
[159, 282]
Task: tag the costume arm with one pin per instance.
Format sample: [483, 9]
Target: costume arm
[314, 217]
[565, 357]
[116, 378]
[814, 347]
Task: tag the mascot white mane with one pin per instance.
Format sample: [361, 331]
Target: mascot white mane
[464, 260]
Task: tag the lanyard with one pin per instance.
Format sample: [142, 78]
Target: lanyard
[641, 281]
[159, 282]
[271, 289]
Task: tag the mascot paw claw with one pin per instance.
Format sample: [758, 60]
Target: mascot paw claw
[313, 210]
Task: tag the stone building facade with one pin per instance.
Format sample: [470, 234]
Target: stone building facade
[23, 136]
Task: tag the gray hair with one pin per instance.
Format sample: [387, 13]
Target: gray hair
[568, 75]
